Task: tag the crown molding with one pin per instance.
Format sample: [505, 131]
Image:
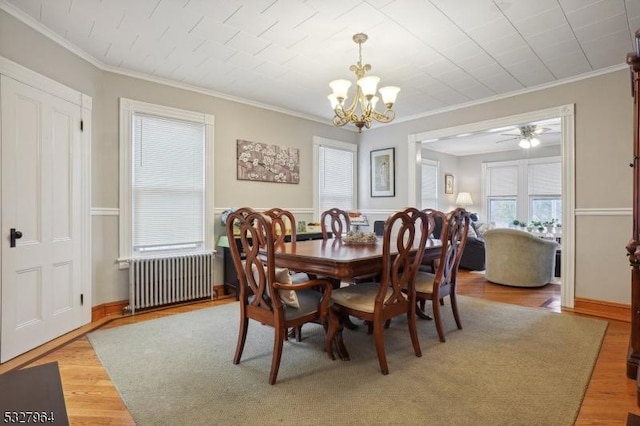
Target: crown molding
[544, 86]
[57, 38]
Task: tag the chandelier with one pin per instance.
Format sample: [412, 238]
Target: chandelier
[362, 110]
[529, 139]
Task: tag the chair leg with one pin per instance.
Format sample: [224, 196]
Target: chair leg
[420, 311]
[298, 333]
[278, 341]
[379, 339]
[454, 306]
[413, 331]
[242, 337]
[438, 320]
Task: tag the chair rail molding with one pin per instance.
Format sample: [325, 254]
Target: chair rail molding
[105, 211]
[607, 211]
[294, 210]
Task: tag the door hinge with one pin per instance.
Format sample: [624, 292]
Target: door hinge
[81, 299]
[82, 125]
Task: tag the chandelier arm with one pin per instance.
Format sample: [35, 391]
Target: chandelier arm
[385, 117]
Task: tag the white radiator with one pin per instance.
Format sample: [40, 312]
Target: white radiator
[165, 280]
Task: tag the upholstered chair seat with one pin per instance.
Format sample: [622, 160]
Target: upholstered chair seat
[360, 297]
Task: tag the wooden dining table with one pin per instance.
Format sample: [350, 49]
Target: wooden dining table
[338, 259]
[341, 261]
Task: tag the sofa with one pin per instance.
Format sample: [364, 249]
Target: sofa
[518, 258]
[474, 250]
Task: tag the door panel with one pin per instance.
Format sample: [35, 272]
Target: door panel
[41, 168]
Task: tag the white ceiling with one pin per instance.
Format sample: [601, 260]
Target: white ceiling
[283, 53]
[496, 140]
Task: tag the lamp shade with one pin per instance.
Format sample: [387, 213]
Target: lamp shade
[340, 88]
[464, 199]
[389, 94]
[369, 85]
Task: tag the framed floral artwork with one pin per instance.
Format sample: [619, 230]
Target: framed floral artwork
[267, 163]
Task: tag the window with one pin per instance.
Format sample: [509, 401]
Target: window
[165, 158]
[527, 190]
[429, 184]
[335, 176]
[545, 193]
[502, 193]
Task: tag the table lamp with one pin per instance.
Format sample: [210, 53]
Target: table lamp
[464, 199]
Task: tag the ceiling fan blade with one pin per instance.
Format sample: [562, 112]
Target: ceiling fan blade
[507, 140]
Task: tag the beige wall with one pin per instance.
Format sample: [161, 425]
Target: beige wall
[233, 120]
[603, 150]
[604, 127]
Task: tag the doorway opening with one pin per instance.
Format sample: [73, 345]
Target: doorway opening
[567, 151]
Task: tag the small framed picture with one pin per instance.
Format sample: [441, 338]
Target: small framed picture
[383, 173]
[448, 184]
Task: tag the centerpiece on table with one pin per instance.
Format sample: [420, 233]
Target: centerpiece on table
[360, 237]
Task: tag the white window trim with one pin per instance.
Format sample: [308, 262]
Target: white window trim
[128, 108]
[317, 143]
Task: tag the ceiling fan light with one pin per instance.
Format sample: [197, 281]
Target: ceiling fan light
[534, 142]
[389, 95]
[340, 89]
[524, 143]
[369, 85]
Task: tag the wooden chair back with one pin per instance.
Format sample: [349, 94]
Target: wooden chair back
[283, 223]
[454, 237]
[255, 271]
[405, 229]
[339, 223]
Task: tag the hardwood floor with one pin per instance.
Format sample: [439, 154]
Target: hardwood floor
[92, 399]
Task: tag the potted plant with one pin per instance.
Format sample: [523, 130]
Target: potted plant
[537, 225]
[549, 223]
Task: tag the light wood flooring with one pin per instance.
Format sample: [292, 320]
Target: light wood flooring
[92, 399]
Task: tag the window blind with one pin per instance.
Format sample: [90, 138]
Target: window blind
[336, 185]
[545, 178]
[167, 184]
[429, 184]
[502, 181]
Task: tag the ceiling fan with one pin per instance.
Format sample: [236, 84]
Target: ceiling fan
[527, 135]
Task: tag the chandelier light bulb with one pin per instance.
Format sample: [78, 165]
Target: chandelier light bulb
[524, 143]
[389, 95]
[334, 101]
[340, 89]
[534, 142]
[369, 85]
[374, 100]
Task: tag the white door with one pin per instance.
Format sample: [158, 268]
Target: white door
[40, 189]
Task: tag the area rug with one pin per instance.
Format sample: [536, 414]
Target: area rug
[509, 365]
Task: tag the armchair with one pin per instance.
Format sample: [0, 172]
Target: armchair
[519, 259]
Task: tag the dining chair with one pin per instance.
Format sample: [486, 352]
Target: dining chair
[283, 223]
[435, 287]
[267, 294]
[403, 244]
[339, 223]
